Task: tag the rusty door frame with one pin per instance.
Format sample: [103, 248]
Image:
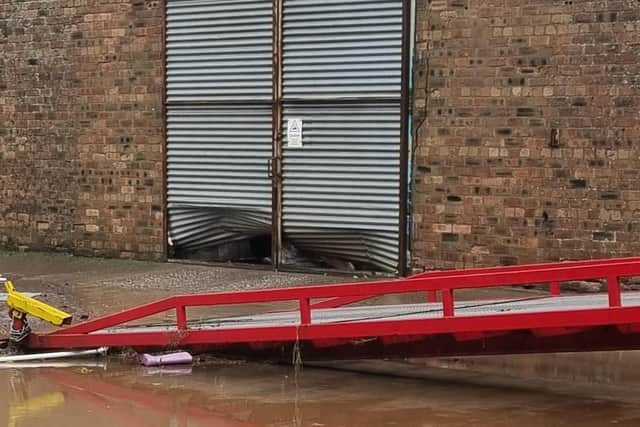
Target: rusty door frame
[276, 159]
[405, 99]
[165, 140]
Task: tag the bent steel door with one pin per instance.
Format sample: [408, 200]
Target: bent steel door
[219, 120]
[342, 83]
[296, 105]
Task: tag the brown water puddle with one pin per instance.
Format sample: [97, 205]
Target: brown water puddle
[247, 395]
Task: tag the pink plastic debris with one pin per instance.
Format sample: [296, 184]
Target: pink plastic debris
[178, 358]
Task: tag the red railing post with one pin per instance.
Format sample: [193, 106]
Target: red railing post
[432, 296]
[305, 311]
[181, 317]
[447, 303]
[554, 287]
[613, 286]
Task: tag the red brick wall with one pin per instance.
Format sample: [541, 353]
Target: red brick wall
[81, 144]
[528, 131]
[526, 116]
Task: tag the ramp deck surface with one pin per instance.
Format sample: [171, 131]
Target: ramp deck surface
[373, 313]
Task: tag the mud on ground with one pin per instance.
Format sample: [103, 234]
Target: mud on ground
[89, 287]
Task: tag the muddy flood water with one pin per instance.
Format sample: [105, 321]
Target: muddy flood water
[243, 395]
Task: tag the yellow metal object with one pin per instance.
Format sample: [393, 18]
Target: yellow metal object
[24, 304]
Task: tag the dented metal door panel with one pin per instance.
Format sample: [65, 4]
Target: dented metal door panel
[218, 184]
[342, 68]
[219, 120]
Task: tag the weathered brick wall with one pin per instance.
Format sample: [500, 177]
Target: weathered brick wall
[528, 130]
[81, 126]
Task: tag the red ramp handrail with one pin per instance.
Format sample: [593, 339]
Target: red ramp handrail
[432, 295]
[611, 270]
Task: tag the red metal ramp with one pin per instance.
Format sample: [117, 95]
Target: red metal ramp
[325, 327]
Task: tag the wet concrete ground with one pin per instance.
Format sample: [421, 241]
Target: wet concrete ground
[79, 280]
[593, 390]
[89, 287]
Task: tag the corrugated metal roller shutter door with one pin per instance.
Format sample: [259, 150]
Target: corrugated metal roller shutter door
[342, 49]
[341, 189]
[218, 182]
[219, 50]
[219, 89]
[342, 77]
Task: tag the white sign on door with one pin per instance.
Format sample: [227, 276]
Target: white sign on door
[294, 133]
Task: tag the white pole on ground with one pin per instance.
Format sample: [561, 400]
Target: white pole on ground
[102, 351]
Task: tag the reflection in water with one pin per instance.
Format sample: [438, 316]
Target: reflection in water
[248, 395]
[166, 370]
[14, 366]
[23, 404]
[22, 409]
